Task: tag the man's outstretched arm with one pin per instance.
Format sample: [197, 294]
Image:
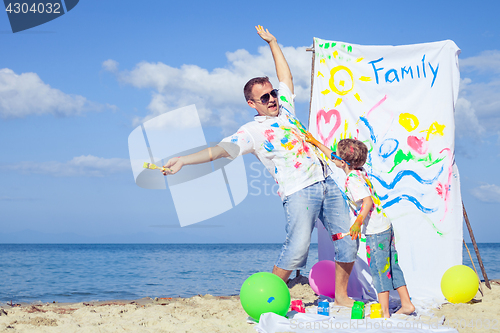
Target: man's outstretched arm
[206, 155]
[282, 69]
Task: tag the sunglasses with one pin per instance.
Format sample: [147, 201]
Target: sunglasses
[264, 99]
[333, 156]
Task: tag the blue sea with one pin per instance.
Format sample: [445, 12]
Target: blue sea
[87, 272]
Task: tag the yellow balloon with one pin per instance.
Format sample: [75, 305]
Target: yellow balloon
[459, 284]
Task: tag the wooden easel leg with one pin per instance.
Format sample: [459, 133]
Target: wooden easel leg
[479, 260]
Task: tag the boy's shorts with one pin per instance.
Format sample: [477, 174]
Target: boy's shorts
[383, 260]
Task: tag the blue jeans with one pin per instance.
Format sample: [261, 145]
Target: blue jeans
[322, 200]
[383, 260]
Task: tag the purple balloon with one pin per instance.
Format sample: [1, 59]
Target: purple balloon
[322, 278]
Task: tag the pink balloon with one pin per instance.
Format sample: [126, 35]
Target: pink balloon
[322, 278]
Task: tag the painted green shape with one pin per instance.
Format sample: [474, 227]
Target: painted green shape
[329, 57]
[381, 246]
[427, 160]
[283, 98]
[396, 258]
[363, 240]
[369, 144]
[327, 45]
[334, 44]
[349, 48]
[333, 147]
[343, 45]
[321, 45]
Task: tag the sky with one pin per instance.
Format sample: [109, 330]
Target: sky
[72, 90]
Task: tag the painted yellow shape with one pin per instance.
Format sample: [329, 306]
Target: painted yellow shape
[326, 91]
[341, 83]
[346, 124]
[322, 61]
[359, 59]
[332, 84]
[365, 78]
[435, 128]
[337, 103]
[320, 74]
[288, 146]
[357, 97]
[408, 121]
[386, 267]
[335, 53]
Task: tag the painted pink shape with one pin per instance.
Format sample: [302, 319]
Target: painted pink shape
[376, 105]
[368, 252]
[389, 275]
[446, 187]
[327, 116]
[269, 134]
[419, 145]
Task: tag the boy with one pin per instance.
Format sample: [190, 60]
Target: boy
[364, 202]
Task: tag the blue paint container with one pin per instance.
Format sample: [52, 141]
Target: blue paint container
[324, 308]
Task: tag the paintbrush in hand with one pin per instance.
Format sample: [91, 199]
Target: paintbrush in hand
[151, 166]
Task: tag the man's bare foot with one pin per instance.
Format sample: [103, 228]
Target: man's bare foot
[407, 309]
[343, 301]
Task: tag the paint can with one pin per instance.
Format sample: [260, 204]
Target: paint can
[324, 308]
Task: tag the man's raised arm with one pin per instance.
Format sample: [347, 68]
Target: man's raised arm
[282, 69]
[206, 155]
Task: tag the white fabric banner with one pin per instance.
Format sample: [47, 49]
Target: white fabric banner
[400, 101]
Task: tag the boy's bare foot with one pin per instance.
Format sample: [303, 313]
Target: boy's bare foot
[343, 301]
[407, 309]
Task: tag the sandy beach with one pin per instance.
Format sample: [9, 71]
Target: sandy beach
[205, 313]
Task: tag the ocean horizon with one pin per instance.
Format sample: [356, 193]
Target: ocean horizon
[34, 273]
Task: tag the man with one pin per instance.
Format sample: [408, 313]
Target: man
[277, 138]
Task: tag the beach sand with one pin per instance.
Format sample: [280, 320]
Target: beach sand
[482, 314]
[196, 314]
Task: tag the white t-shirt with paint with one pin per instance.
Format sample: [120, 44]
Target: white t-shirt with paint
[279, 143]
[358, 187]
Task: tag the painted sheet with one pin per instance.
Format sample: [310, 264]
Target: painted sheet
[399, 100]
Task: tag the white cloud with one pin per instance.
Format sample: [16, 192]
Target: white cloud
[466, 122]
[87, 166]
[26, 94]
[110, 65]
[485, 62]
[218, 94]
[480, 94]
[487, 193]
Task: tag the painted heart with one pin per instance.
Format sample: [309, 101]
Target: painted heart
[419, 145]
[327, 116]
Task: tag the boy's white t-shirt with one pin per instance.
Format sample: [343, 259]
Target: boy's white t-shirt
[358, 187]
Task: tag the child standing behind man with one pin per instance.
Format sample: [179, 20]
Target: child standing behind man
[364, 202]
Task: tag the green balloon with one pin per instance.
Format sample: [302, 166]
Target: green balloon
[264, 292]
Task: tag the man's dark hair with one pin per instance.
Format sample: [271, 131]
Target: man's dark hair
[353, 152]
[247, 90]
